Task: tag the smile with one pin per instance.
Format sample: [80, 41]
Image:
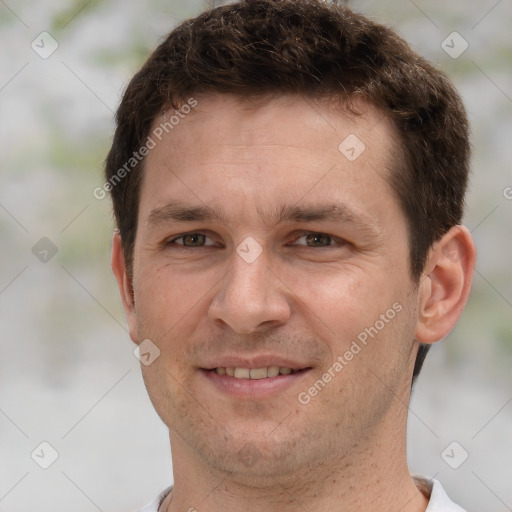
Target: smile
[241, 382]
[255, 373]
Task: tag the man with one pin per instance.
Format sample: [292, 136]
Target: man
[288, 181]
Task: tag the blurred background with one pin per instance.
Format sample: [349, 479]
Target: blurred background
[71, 396]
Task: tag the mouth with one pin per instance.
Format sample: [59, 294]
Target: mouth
[267, 372]
[256, 382]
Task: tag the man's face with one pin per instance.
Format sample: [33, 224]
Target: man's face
[262, 244]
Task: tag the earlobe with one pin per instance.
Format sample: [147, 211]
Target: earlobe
[124, 283]
[445, 285]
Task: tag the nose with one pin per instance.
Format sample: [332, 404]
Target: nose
[251, 297]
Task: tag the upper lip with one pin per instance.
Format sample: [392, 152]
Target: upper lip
[256, 361]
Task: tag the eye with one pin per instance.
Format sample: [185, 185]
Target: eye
[191, 240]
[317, 240]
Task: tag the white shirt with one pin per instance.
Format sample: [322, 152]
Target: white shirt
[439, 501]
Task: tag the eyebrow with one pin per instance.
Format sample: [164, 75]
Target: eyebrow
[180, 212]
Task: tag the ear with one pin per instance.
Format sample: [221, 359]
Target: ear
[445, 284]
[124, 283]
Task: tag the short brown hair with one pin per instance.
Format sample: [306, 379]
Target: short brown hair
[268, 47]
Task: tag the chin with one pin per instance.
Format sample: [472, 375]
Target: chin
[255, 467]
[255, 457]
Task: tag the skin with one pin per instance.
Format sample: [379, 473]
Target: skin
[304, 298]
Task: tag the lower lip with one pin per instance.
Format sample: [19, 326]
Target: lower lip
[253, 388]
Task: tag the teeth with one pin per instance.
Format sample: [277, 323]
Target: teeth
[272, 371]
[254, 373]
[258, 373]
[242, 373]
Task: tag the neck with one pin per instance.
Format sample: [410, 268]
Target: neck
[373, 476]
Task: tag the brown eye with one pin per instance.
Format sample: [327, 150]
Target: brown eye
[315, 240]
[191, 240]
[318, 239]
[194, 240]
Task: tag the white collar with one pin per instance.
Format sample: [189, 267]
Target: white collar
[438, 499]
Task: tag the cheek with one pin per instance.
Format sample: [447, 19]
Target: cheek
[167, 302]
[343, 303]
[370, 360]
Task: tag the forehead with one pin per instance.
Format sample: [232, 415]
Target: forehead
[269, 151]
[251, 119]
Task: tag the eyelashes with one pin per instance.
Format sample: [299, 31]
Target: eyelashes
[198, 239]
